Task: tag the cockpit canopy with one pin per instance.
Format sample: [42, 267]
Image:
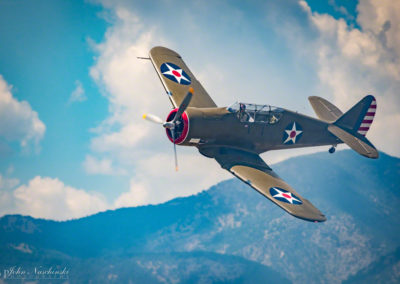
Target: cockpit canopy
[256, 113]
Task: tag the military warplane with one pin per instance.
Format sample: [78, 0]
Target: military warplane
[235, 136]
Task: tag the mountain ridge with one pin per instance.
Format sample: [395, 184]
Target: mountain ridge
[231, 219]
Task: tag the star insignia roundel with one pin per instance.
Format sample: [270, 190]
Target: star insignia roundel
[175, 73]
[292, 133]
[284, 196]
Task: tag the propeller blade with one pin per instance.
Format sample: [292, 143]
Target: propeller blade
[171, 125]
[153, 118]
[176, 158]
[184, 105]
[175, 155]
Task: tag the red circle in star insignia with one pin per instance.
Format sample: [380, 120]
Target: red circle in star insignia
[286, 195]
[292, 134]
[176, 73]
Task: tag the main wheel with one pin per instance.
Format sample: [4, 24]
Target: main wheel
[332, 150]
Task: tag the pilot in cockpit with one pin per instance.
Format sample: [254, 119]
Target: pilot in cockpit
[243, 115]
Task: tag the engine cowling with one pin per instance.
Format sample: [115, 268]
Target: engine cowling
[181, 128]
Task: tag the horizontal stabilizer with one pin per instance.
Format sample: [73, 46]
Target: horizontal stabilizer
[324, 109]
[359, 144]
[352, 126]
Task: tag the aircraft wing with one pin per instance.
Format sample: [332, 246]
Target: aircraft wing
[177, 78]
[250, 168]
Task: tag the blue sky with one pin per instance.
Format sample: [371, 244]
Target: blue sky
[72, 134]
[45, 49]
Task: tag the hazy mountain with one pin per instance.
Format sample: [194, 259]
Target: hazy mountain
[386, 269]
[230, 233]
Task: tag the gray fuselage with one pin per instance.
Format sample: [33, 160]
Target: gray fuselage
[218, 126]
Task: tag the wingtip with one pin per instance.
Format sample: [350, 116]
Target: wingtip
[161, 50]
[373, 154]
[144, 116]
[191, 90]
[319, 218]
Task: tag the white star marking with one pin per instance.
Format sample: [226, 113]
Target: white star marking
[286, 195]
[292, 134]
[177, 74]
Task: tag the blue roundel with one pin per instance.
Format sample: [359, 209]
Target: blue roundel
[175, 73]
[284, 196]
[292, 133]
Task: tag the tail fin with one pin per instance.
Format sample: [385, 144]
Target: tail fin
[352, 127]
[359, 118]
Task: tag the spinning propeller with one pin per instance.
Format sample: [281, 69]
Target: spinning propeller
[172, 125]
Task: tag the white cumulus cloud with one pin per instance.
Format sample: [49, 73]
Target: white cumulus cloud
[355, 62]
[49, 198]
[133, 88]
[155, 179]
[137, 195]
[18, 122]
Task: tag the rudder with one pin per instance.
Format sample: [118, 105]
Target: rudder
[359, 118]
[352, 127]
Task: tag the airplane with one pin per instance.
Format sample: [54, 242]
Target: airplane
[235, 136]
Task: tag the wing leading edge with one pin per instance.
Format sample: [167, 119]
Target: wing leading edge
[251, 169]
[176, 78]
